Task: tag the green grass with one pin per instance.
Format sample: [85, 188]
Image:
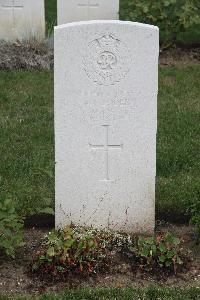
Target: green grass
[27, 142]
[150, 293]
[178, 139]
[26, 120]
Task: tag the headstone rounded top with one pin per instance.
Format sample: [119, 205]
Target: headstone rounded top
[100, 22]
[106, 55]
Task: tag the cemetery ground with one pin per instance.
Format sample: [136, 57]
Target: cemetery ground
[16, 278]
[27, 177]
[27, 173]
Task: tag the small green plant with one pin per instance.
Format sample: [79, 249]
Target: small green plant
[11, 225]
[87, 250]
[161, 251]
[75, 250]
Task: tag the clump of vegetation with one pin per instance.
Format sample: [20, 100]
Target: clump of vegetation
[171, 16]
[11, 228]
[29, 55]
[74, 250]
[159, 252]
[87, 251]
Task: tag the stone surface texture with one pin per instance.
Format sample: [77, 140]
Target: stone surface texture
[106, 81]
[22, 20]
[84, 10]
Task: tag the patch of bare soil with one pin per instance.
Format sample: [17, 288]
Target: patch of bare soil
[180, 57]
[14, 277]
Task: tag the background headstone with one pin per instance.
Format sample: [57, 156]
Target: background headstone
[83, 10]
[106, 77]
[22, 20]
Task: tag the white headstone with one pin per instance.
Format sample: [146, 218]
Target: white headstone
[84, 10]
[106, 77]
[22, 20]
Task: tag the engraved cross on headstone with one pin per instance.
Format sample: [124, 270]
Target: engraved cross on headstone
[88, 4]
[106, 147]
[13, 5]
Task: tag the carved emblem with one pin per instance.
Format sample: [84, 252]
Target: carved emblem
[107, 60]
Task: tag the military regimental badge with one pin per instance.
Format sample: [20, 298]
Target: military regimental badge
[107, 60]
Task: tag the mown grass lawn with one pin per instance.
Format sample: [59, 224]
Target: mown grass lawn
[27, 139]
[26, 118]
[150, 293]
[178, 178]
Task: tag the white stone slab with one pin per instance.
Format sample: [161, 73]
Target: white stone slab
[84, 10]
[22, 20]
[106, 78]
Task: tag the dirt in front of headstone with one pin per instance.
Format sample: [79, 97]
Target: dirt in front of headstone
[15, 278]
[179, 57]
